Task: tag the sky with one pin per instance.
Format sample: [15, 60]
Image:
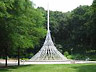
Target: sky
[61, 5]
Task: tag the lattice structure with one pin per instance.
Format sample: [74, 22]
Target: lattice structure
[48, 52]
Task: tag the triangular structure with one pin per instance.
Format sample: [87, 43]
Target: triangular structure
[48, 52]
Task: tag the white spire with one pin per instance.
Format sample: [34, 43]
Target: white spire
[48, 18]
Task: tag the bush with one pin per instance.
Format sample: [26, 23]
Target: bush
[24, 59]
[70, 57]
[92, 57]
[77, 57]
[66, 53]
[80, 57]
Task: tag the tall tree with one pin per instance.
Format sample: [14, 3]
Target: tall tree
[23, 25]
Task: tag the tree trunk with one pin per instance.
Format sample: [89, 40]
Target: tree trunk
[6, 56]
[18, 56]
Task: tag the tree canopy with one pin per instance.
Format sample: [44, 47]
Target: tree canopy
[21, 25]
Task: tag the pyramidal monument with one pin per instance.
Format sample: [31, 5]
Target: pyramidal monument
[48, 52]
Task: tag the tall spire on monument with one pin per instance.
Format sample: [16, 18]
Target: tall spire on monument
[48, 51]
[48, 18]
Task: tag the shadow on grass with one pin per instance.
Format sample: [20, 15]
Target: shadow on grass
[8, 69]
[86, 68]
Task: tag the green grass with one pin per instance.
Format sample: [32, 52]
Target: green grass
[52, 68]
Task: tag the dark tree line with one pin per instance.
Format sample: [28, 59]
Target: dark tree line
[75, 30]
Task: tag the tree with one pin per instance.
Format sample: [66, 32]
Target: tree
[23, 25]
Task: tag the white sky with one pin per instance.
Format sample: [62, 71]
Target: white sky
[61, 5]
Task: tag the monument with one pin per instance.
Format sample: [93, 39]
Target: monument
[48, 52]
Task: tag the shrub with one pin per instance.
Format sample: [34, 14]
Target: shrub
[70, 57]
[66, 53]
[80, 57]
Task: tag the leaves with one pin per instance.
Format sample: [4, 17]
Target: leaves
[21, 25]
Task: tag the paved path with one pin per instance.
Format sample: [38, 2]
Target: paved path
[12, 63]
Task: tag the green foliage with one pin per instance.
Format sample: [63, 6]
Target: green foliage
[79, 57]
[21, 25]
[82, 57]
[92, 57]
[70, 57]
[66, 53]
[24, 59]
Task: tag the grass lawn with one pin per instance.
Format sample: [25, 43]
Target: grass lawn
[52, 68]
